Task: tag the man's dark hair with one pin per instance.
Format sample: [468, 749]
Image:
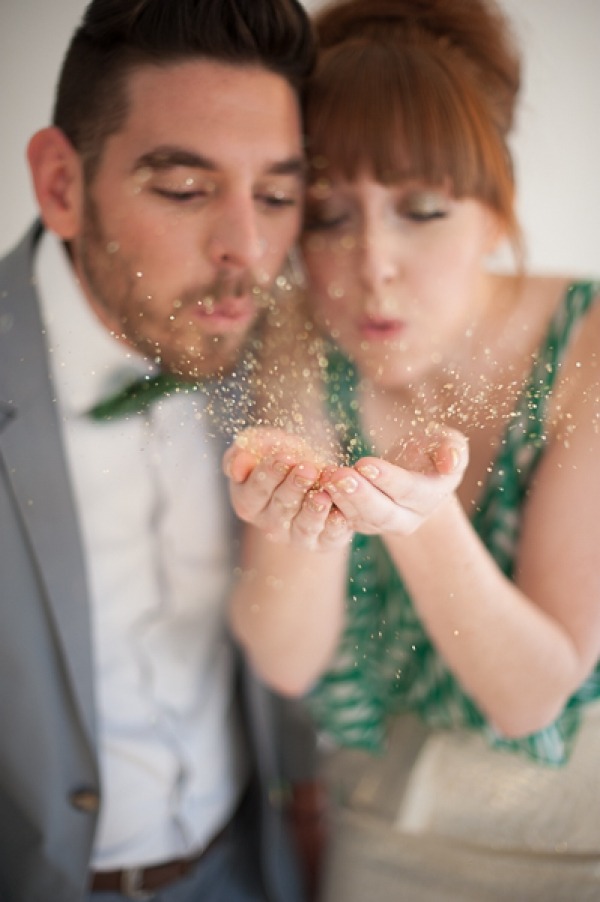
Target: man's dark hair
[117, 36]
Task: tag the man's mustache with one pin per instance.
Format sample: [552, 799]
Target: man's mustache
[226, 290]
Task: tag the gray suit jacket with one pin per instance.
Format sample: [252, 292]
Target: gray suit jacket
[49, 780]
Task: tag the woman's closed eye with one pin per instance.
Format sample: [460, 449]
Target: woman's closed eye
[322, 219]
[424, 206]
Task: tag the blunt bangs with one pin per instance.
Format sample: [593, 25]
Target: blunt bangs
[402, 111]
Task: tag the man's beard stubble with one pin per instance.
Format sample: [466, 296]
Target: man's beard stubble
[175, 340]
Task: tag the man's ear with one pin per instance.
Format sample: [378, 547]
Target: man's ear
[57, 175]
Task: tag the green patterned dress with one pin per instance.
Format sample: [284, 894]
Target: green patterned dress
[386, 663]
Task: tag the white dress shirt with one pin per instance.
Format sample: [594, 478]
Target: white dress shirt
[156, 530]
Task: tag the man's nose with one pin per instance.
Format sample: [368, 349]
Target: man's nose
[235, 238]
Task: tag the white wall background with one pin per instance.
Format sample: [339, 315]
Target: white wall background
[556, 144]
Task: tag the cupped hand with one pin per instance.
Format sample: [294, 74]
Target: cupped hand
[396, 494]
[274, 484]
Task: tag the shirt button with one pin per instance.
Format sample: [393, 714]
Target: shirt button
[85, 799]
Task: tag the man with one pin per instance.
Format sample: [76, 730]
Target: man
[170, 189]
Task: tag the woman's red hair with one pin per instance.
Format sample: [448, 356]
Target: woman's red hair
[419, 89]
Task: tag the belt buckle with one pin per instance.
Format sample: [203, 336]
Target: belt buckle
[131, 885]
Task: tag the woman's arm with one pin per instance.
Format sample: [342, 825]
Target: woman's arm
[521, 648]
[287, 610]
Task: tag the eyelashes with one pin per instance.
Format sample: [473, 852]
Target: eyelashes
[321, 222]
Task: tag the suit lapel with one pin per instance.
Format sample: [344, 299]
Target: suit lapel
[31, 445]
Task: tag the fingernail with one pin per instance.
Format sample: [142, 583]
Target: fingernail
[316, 505]
[336, 521]
[455, 457]
[369, 471]
[304, 478]
[348, 485]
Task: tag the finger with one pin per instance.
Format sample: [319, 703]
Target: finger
[403, 487]
[436, 449]
[288, 498]
[238, 463]
[337, 531]
[354, 496]
[369, 510]
[418, 492]
[311, 518]
[252, 497]
[253, 445]
[450, 455]
[386, 498]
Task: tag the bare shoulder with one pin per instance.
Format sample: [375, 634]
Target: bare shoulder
[584, 346]
[544, 296]
[550, 290]
[577, 391]
[546, 291]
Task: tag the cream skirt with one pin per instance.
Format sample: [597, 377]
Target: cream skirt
[443, 817]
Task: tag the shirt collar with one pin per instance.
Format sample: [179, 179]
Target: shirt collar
[87, 363]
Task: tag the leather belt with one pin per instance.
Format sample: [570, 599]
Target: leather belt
[142, 883]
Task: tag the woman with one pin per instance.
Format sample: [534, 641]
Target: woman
[473, 589]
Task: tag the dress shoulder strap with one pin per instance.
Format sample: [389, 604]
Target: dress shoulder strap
[497, 518]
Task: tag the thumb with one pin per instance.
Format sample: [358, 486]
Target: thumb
[451, 454]
[238, 464]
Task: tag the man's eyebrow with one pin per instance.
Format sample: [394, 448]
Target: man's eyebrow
[168, 157]
[293, 166]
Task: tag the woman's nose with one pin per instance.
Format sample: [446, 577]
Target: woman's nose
[378, 261]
